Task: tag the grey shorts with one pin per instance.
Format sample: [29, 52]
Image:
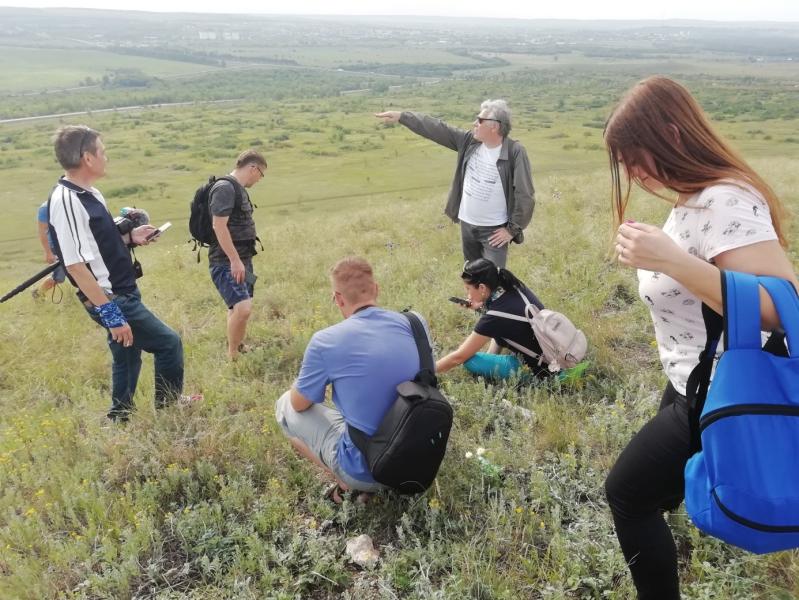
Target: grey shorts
[319, 428]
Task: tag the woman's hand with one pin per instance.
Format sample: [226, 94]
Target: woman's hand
[646, 247]
[467, 349]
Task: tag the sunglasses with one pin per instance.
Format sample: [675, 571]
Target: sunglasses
[258, 169]
[481, 120]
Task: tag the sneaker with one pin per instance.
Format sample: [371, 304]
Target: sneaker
[189, 399]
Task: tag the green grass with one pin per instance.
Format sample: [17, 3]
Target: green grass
[209, 501]
[343, 56]
[34, 69]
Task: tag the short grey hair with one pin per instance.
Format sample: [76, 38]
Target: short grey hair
[499, 110]
[71, 141]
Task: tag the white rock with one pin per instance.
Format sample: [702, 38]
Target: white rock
[362, 552]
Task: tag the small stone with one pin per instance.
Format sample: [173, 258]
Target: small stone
[524, 413]
[362, 552]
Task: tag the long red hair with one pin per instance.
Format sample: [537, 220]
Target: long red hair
[658, 124]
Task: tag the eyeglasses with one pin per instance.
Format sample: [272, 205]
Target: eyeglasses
[480, 120]
[257, 168]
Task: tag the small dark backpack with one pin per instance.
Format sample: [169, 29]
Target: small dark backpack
[408, 446]
[200, 221]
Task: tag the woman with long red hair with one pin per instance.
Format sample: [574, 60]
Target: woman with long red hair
[724, 216]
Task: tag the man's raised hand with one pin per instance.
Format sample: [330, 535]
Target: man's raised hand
[390, 116]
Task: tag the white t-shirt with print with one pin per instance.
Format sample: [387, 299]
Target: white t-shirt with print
[483, 200]
[720, 218]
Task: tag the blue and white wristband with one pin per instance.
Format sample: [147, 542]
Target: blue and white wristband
[110, 315]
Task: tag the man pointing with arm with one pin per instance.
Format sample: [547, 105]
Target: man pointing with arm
[492, 194]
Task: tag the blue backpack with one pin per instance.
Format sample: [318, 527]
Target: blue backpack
[743, 486]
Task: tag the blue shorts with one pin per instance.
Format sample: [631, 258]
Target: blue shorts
[232, 293]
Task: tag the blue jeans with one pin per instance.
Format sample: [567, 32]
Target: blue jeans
[151, 335]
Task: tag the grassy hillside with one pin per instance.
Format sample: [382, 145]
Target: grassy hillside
[209, 501]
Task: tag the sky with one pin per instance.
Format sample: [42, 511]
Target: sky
[713, 10]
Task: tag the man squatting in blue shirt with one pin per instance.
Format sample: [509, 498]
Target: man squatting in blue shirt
[363, 358]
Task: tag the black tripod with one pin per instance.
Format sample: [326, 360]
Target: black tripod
[29, 282]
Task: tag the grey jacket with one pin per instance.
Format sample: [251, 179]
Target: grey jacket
[513, 165]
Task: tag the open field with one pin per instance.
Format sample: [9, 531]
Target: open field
[33, 69]
[209, 501]
[343, 56]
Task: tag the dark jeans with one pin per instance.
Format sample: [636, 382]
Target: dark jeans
[150, 335]
[646, 480]
[474, 239]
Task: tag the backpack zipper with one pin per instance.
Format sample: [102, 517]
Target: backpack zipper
[753, 524]
[747, 409]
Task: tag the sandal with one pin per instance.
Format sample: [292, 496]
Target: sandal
[189, 399]
[334, 492]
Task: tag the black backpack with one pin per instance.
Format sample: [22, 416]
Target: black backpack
[200, 221]
[407, 449]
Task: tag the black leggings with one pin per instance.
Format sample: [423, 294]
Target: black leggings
[646, 480]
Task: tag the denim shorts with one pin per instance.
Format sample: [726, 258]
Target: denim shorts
[232, 293]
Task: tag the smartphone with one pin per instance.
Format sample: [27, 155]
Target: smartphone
[159, 231]
[461, 301]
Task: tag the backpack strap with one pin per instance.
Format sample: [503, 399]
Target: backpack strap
[740, 298]
[525, 350]
[786, 301]
[699, 379]
[529, 307]
[237, 189]
[427, 370]
[741, 295]
[504, 315]
[426, 374]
